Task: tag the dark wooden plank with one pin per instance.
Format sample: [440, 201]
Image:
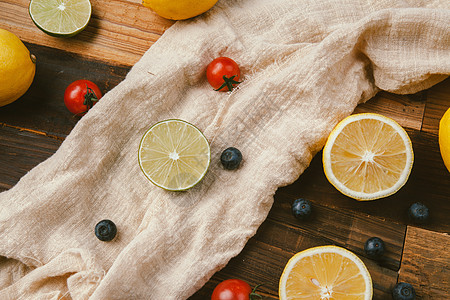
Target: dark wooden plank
[20, 151]
[407, 110]
[42, 107]
[426, 263]
[438, 101]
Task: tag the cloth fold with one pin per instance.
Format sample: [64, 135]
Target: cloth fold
[305, 65]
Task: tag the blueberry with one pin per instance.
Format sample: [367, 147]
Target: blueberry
[231, 158]
[105, 230]
[403, 291]
[301, 209]
[374, 248]
[418, 213]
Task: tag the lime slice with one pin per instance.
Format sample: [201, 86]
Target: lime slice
[62, 18]
[174, 155]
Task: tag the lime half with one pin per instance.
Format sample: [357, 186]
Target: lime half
[174, 155]
[62, 18]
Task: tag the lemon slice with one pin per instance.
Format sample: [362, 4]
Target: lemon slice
[368, 156]
[326, 272]
[174, 155]
[62, 18]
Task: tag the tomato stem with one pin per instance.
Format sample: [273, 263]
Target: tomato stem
[228, 82]
[254, 295]
[89, 98]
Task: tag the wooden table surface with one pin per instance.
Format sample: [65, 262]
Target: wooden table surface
[120, 31]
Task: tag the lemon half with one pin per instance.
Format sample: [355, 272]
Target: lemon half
[368, 156]
[325, 272]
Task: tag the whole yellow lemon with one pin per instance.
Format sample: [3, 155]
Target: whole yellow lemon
[444, 138]
[179, 9]
[17, 67]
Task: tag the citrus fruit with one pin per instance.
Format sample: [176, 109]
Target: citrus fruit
[325, 272]
[17, 67]
[368, 156]
[174, 155]
[180, 9]
[61, 18]
[444, 138]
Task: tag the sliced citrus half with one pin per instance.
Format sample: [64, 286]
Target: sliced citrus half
[61, 18]
[174, 155]
[325, 273]
[368, 156]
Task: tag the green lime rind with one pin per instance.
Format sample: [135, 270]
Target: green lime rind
[60, 18]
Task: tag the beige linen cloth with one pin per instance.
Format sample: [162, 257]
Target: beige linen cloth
[306, 65]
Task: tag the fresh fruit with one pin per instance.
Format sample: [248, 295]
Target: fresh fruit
[174, 155]
[81, 95]
[418, 213]
[234, 289]
[223, 74]
[231, 158]
[180, 9]
[17, 67]
[374, 248]
[444, 138]
[368, 156]
[403, 291]
[60, 18]
[326, 272]
[105, 230]
[301, 209]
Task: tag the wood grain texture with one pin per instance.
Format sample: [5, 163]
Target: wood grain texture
[119, 31]
[438, 101]
[426, 263]
[20, 151]
[407, 110]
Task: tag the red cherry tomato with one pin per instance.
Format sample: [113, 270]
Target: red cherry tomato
[81, 95]
[223, 74]
[234, 289]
